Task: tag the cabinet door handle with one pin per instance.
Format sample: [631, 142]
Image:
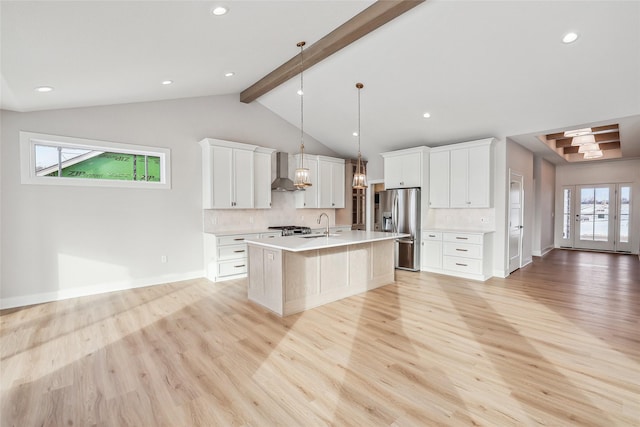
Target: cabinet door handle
[241, 239]
[333, 204]
[462, 238]
[461, 265]
[239, 251]
[462, 250]
[239, 266]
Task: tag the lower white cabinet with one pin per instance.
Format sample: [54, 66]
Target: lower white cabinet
[463, 254]
[226, 254]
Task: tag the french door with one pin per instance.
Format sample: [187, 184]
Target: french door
[596, 217]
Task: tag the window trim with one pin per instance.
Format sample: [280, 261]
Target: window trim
[28, 175]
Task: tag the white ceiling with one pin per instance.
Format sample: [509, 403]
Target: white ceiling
[480, 68]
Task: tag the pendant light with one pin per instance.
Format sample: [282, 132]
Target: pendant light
[302, 178]
[593, 155]
[588, 147]
[360, 177]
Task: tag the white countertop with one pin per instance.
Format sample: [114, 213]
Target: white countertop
[307, 242]
[457, 230]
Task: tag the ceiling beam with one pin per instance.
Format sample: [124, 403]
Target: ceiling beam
[605, 146]
[599, 137]
[360, 25]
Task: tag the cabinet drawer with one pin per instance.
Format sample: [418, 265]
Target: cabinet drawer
[232, 252]
[464, 250]
[432, 235]
[235, 239]
[462, 238]
[462, 265]
[229, 268]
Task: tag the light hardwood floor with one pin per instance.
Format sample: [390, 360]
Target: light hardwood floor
[556, 343]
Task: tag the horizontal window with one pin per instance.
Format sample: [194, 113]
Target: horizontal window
[61, 160]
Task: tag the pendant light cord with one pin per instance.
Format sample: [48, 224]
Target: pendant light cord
[359, 86]
[301, 44]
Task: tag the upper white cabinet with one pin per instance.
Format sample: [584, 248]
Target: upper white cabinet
[327, 179]
[309, 197]
[230, 180]
[262, 178]
[405, 168]
[461, 175]
[330, 182]
[439, 178]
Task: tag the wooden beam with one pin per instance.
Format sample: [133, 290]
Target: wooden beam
[360, 25]
[605, 146]
[599, 137]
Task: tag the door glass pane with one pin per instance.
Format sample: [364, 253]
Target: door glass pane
[594, 214]
[625, 203]
[566, 213]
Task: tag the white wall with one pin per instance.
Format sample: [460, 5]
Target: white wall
[544, 174]
[62, 242]
[602, 172]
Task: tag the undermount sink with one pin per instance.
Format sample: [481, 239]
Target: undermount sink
[315, 236]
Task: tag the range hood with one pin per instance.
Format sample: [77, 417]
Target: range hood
[282, 181]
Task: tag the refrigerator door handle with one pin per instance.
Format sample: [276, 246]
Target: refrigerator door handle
[395, 213]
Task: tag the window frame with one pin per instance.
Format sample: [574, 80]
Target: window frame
[28, 174]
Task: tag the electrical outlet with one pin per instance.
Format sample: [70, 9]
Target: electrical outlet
[214, 220]
[250, 220]
[163, 259]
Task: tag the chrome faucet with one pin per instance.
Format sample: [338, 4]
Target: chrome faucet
[320, 217]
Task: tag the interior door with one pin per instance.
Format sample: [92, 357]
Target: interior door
[515, 221]
[594, 212]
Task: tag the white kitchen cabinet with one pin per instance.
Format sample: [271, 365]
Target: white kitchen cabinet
[235, 175]
[327, 179]
[471, 175]
[431, 250]
[262, 178]
[439, 178]
[405, 168]
[458, 253]
[309, 197]
[226, 255]
[330, 182]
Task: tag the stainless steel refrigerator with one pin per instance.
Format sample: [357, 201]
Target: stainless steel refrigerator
[400, 212]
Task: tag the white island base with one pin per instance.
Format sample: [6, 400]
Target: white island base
[289, 282]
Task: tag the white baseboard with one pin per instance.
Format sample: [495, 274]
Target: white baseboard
[24, 300]
[500, 273]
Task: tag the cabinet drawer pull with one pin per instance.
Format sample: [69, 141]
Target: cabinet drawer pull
[461, 265]
[241, 239]
[432, 235]
[239, 251]
[239, 266]
[462, 238]
[462, 250]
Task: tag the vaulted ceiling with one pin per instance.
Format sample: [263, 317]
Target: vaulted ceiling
[479, 68]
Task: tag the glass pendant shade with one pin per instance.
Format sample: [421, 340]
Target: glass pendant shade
[593, 154]
[588, 147]
[302, 178]
[360, 176]
[583, 139]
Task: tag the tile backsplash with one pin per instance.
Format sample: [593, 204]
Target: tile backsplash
[282, 212]
[462, 219]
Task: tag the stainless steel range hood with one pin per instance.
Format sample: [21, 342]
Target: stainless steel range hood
[282, 181]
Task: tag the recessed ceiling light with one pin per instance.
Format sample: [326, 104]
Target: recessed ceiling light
[229, 74]
[43, 89]
[570, 37]
[219, 11]
[167, 82]
[426, 115]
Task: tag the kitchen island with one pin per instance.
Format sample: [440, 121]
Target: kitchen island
[291, 274]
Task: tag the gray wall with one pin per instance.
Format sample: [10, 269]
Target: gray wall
[66, 241]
